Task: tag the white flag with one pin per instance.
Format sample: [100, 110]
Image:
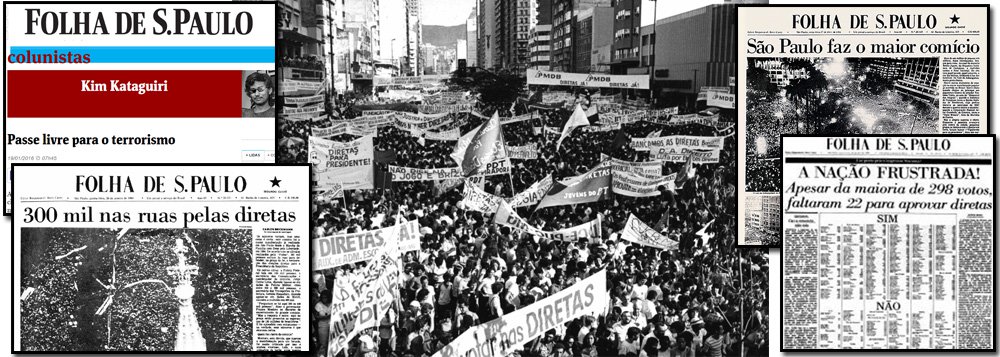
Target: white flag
[579, 118]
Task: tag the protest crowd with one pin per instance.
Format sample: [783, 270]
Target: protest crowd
[689, 293]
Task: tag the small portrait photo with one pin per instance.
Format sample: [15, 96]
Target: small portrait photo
[258, 94]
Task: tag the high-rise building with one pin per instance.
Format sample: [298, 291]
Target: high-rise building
[365, 13]
[764, 213]
[888, 68]
[513, 27]
[486, 38]
[695, 49]
[414, 38]
[593, 38]
[333, 46]
[628, 22]
[472, 48]
[538, 47]
[564, 23]
[920, 79]
[300, 29]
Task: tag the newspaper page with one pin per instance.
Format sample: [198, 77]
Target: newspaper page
[171, 82]
[850, 70]
[888, 243]
[161, 258]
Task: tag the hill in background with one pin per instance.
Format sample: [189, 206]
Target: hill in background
[443, 36]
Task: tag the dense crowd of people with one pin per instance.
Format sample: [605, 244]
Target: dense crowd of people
[705, 298]
[310, 62]
[71, 273]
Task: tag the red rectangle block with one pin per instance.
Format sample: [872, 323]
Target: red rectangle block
[97, 94]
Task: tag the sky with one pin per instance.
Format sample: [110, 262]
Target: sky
[392, 23]
[447, 12]
[455, 12]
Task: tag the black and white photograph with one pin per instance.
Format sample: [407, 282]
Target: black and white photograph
[120, 289]
[497, 193]
[826, 96]
[833, 96]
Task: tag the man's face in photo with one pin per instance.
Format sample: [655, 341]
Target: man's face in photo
[259, 93]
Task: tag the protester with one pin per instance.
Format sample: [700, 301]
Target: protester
[469, 271]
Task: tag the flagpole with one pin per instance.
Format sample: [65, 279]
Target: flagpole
[510, 172]
[742, 299]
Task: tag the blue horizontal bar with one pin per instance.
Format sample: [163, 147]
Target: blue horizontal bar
[158, 54]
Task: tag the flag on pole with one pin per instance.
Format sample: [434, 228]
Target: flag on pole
[592, 186]
[483, 147]
[687, 172]
[579, 118]
[512, 105]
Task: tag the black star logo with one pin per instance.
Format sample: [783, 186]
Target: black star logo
[954, 18]
[275, 182]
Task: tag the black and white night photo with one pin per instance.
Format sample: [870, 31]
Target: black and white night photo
[90, 289]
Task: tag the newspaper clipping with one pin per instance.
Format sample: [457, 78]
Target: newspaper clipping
[161, 258]
[888, 243]
[848, 71]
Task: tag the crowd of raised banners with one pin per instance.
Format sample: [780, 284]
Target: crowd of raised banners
[361, 303]
[349, 165]
[406, 174]
[677, 148]
[481, 152]
[506, 334]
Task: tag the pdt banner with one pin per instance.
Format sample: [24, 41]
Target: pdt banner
[508, 333]
[593, 80]
[336, 250]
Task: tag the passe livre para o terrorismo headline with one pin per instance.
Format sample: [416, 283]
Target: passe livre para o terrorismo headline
[47, 139]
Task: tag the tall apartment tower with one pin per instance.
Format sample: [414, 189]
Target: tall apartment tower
[414, 37]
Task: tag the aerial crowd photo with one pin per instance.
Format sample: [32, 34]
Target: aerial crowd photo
[521, 183]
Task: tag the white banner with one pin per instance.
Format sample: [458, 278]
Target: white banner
[532, 194]
[698, 156]
[347, 163]
[304, 100]
[339, 249]
[638, 232]
[447, 135]
[721, 100]
[676, 143]
[593, 80]
[336, 129]
[591, 231]
[411, 121]
[506, 334]
[475, 199]
[403, 174]
[525, 152]
[381, 293]
[647, 168]
[290, 86]
[634, 185]
[313, 109]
